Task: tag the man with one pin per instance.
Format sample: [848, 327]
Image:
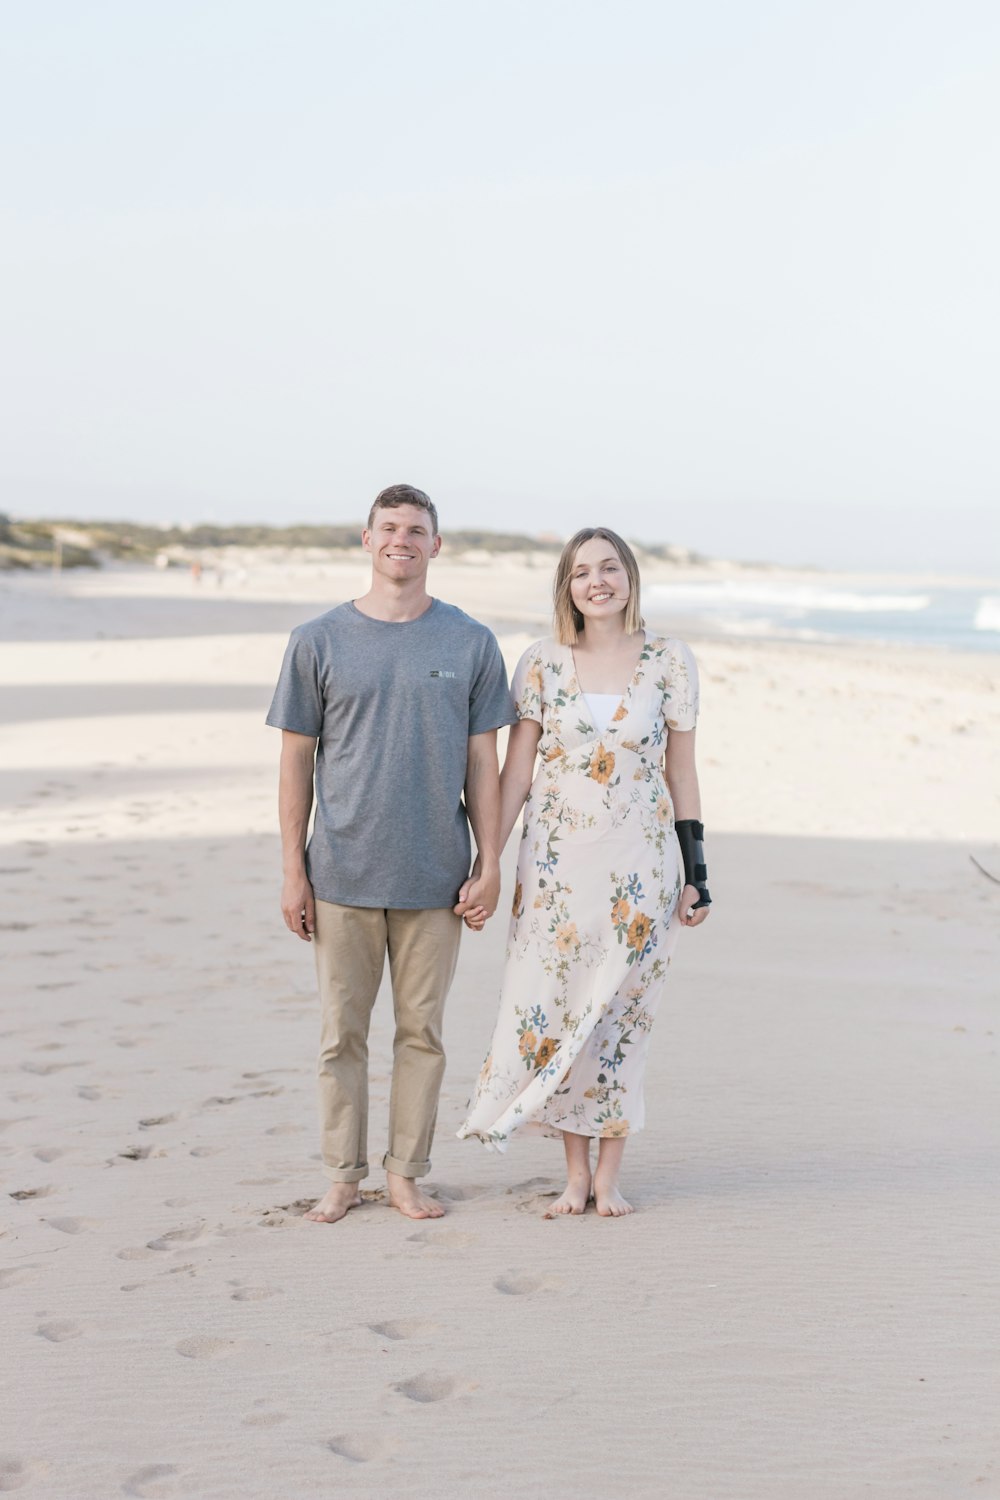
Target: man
[390, 705]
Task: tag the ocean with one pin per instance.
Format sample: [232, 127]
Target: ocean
[956, 617]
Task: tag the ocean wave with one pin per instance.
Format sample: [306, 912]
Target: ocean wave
[987, 613]
[800, 598]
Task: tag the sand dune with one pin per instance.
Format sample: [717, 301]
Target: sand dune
[804, 1305]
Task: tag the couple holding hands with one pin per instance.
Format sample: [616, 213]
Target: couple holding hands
[389, 707]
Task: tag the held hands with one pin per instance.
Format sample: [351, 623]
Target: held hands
[477, 900]
[688, 918]
[298, 906]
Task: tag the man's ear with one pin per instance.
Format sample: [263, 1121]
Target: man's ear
[366, 539]
[436, 548]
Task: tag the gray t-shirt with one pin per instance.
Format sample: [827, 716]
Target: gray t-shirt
[392, 705]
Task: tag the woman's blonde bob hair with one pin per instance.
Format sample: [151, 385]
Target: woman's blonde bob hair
[567, 619]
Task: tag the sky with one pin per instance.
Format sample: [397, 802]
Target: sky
[722, 275]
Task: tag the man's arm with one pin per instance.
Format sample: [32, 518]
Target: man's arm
[295, 796]
[482, 803]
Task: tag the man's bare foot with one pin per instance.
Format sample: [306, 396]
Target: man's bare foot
[573, 1200]
[407, 1197]
[609, 1201]
[338, 1198]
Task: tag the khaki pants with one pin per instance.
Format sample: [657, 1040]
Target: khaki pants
[351, 943]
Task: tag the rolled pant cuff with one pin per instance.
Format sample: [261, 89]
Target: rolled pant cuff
[405, 1168]
[345, 1174]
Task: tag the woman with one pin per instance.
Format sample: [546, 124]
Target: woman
[604, 883]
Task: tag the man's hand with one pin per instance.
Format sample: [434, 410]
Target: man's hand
[477, 900]
[298, 906]
[295, 795]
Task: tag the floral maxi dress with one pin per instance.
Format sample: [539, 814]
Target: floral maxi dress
[599, 876]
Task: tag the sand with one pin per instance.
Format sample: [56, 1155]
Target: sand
[806, 1302]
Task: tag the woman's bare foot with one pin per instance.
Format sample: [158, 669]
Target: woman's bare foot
[407, 1197]
[573, 1199]
[335, 1202]
[609, 1201]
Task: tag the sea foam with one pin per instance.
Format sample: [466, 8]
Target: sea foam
[803, 597]
[987, 615]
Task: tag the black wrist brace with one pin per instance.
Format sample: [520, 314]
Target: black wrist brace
[690, 834]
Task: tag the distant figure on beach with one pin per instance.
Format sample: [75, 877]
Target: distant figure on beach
[389, 707]
[611, 866]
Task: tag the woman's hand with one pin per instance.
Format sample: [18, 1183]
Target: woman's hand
[477, 900]
[689, 895]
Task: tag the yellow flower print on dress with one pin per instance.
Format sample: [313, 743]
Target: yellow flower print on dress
[619, 713]
[639, 931]
[566, 937]
[602, 765]
[516, 908]
[614, 1130]
[639, 934]
[546, 1052]
[528, 1043]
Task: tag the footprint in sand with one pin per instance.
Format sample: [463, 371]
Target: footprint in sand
[430, 1386]
[39, 1192]
[522, 1284]
[59, 1331]
[361, 1448]
[16, 1275]
[403, 1328]
[264, 1418]
[202, 1346]
[137, 1153]
[255, 1293]
[135, 1252]
[151, 1120]
[174, 1238]
[152, 1482]
[73, 1225]
[444, 1239]
[543, 1186]
[287, 1213]
[16, 1472]
[461, 1194]
[50, 1153]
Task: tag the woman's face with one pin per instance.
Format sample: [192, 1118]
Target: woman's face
[599, 585]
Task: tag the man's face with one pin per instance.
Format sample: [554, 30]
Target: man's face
[400, 542]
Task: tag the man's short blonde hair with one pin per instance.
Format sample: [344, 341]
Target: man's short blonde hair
[404, 494]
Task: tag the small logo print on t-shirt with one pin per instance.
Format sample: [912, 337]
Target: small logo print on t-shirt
[435, 673]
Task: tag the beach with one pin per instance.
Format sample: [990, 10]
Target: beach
[805, 1302]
